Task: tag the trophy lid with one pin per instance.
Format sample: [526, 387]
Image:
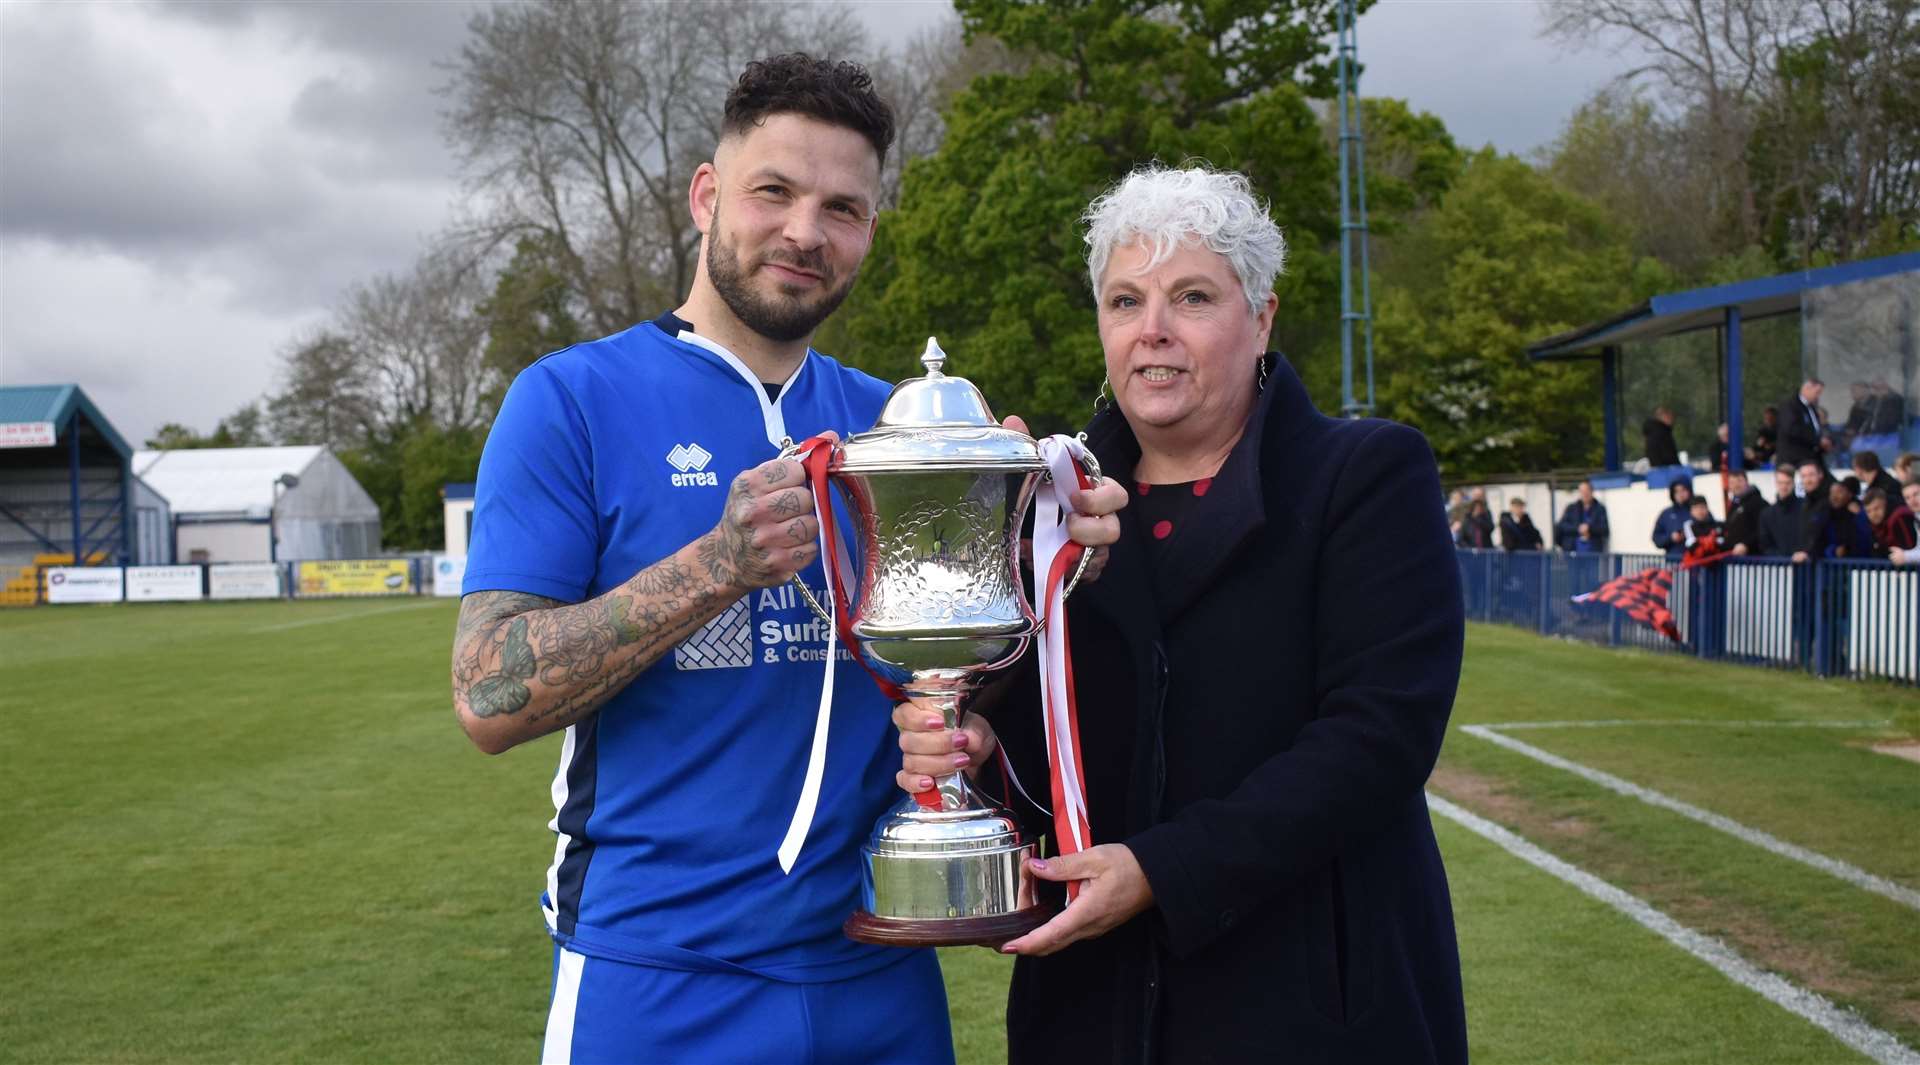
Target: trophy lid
[934, 422]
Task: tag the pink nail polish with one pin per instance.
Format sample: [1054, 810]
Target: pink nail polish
[925, 783]
[1038, 864]
[961, 759]
[959, 740]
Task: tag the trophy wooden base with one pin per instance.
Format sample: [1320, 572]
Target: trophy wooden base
[946, 931]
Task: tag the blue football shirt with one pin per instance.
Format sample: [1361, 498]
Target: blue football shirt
[671, 801]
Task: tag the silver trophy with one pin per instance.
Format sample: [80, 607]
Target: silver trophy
[937, 491]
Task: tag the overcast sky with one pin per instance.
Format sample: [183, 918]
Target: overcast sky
[186, 187]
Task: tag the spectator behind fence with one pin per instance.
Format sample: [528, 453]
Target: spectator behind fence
[1801, 436]
[1860, 411]
[1657, 432]
[1476, 528]
[1482, 517]
[1516, 529]
[1889, 409]
[1781, 526]
[1866, 466]
[1767, 440]
[1717, 453]
[1745, 509]
[1837, 529]
[1893, 525]
[1582, 527]
[1457, 505]
[1670, 529]
[1702, 529]
[1911, 493]
[1813, 483]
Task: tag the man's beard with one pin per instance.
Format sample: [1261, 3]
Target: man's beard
[785, 317]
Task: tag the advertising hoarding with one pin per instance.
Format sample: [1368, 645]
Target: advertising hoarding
[148, 584]
[27, 434]
[448, 572]
[84, 584]
[358, 576]
[243, 580]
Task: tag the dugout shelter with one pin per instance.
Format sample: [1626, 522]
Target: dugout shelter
[262, 504]
[68, 490]
[1726, 352]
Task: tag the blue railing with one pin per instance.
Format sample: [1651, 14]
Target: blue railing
[1834, 617]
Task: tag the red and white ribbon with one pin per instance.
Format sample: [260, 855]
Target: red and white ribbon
[1055, 559]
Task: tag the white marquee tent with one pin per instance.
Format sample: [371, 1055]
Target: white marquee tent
[228, 502]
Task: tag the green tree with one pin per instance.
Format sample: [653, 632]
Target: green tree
[1512, 258]
[984, 251]
[243, 428]
[173, 437]
[405, 470]
[529, 314]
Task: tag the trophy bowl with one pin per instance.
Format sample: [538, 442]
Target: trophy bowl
[937, 491]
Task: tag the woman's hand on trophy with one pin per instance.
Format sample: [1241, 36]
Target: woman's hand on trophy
[1113, 888]
[1095, 521]
[929, 750]
[768, 531]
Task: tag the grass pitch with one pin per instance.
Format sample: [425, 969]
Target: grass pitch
[252, 832]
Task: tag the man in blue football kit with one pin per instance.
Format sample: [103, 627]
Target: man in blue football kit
[628, 584]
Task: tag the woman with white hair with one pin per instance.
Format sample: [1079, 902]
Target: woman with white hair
[1265, 669]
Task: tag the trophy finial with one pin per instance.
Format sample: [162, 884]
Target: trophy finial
[933, 358]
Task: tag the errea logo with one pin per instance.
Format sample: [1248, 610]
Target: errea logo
[691, 460]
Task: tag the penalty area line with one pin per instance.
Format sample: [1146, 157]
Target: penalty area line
[303, 622]
[1852, 874]
[1815, 1009]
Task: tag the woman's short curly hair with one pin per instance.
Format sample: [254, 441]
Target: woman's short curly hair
[1197, 205]
[836, 92]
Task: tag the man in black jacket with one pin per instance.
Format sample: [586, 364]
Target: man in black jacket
[1814, 482]
[1866, 466]
[1657, 431]
[1744, 510]
[1780, 533]
[1801, 435]
[1583, 525]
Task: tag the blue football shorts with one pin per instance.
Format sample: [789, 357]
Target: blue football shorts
[611, 1011]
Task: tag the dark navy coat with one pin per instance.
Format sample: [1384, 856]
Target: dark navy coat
[1258, 718]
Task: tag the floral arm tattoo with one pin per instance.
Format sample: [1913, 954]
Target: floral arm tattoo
[548, 664]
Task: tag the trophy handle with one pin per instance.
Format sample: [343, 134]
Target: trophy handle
[1092, 466]
[788, 450]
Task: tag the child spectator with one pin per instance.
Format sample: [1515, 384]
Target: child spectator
[1700, 524]
[1516, 529]
[1670, 528]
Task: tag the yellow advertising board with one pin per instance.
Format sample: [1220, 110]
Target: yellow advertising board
[357, 576]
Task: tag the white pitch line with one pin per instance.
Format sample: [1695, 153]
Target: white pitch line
[1513, 726]
[345, 617]
[1852, 874]
[1844, 1025]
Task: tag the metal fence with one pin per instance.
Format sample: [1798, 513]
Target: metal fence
[1833, 617]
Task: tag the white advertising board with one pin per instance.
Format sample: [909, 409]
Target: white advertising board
[243, 580]
[448, 572]
[147, 584]
[83, 584]
[26, 434]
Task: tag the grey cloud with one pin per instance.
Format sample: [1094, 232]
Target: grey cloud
[95, 151]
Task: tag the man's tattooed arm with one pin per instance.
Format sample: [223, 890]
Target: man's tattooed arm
[525, 665]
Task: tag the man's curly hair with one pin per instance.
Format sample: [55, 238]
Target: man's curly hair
[839, 93]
